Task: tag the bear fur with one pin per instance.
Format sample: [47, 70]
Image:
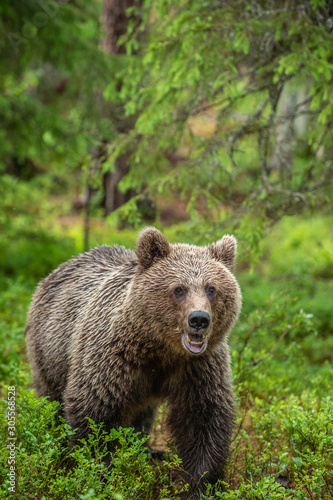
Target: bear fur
[112, 333]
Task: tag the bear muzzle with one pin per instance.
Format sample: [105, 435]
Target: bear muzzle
[195, 339]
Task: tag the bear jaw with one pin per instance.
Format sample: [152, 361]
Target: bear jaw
[194, 347]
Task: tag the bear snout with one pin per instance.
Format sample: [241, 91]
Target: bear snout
[199, 320]
[195, 338]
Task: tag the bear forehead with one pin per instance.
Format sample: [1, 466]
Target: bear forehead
[190, 263]
[186, 251]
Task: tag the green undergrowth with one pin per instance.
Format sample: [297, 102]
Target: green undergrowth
[282, 367]
[48, 468]
[284, 449]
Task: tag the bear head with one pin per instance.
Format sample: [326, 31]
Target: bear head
[184, 296]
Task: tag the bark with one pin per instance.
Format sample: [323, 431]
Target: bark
[113, 197]
[115, 21]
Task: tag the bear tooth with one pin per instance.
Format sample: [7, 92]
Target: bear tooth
[195, 343]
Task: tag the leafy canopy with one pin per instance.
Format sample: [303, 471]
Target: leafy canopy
[238, 95]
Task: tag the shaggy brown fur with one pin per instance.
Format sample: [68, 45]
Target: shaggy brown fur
[112, 333]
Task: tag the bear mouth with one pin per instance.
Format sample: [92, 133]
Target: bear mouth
[194, 347]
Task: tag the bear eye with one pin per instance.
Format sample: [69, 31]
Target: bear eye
[179, 291]
[211, 291]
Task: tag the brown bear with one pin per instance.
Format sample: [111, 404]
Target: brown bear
[112, 333]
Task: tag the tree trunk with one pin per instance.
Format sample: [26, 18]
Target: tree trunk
[115, 23]
[113, 197]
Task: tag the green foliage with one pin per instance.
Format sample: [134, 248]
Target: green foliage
[295, 280]
[46, 117]
[14, 300]
[261, 78]
[47, 467]
[27, 247]
[288, 442]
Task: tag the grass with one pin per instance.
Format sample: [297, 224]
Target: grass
[282, 366]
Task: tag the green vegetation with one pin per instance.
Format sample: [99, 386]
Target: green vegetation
[282, 364]
[224, 113]
[243, 94]
[49, 470]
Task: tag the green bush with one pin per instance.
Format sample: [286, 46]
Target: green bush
[48, 468]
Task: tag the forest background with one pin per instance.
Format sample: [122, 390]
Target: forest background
[202, 118]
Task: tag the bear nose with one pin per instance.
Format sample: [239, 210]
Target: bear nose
[198, 320]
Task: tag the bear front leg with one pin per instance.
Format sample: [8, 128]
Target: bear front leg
[107, 400]
[201, 421]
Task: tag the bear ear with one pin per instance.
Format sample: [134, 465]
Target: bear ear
[151, 246]
[225, 250]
